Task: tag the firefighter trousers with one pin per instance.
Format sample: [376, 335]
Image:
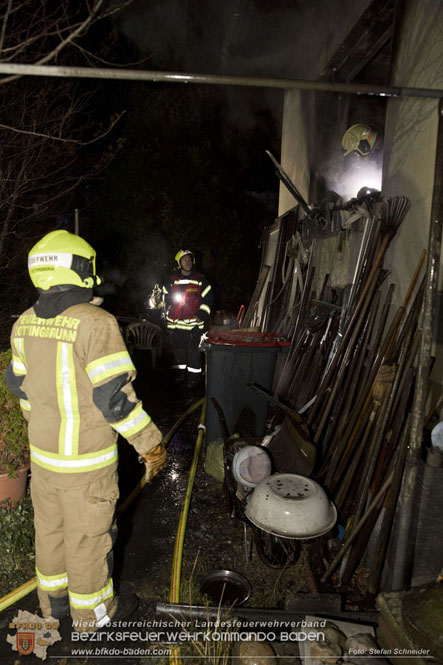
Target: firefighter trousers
[185, 345]
[74, 535]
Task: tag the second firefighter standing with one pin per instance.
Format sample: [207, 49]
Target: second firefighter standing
[189, 299]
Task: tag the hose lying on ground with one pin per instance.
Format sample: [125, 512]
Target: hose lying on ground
[138, 488]
[174, 592]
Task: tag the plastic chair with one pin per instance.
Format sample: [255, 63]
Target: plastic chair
[145, 336]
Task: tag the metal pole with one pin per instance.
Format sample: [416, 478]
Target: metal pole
[77, 222]
[358, 527]
[275, 617]
[17, 69]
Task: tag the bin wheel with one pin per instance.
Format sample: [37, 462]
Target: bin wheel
[274, 551]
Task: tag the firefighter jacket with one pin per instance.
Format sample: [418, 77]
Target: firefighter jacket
[73, 375]
[188, 297]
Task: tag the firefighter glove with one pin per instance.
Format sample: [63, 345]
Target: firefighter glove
[154, 461]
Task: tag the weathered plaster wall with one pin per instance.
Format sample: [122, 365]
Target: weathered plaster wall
[410, 139]
[321, 31]
[295, 149]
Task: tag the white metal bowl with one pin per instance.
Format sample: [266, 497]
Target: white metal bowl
[291, 506]
[251, 465]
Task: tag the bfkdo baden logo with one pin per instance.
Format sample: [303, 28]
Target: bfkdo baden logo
[34, 634]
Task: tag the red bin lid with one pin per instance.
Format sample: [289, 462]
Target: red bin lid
[245, 338]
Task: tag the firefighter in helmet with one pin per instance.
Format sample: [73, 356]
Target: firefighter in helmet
[188, 299]
[73, 375]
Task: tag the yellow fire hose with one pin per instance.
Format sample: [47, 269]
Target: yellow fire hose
[138, 488]
[23, 590]
[174, 592]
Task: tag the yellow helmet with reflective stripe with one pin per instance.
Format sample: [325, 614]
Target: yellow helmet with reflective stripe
[60, 258]
[181, 253]
[360, 138]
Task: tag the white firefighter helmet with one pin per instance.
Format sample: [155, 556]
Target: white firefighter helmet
[359, 138]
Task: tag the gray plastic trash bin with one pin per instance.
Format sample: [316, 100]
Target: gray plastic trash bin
[235, 359]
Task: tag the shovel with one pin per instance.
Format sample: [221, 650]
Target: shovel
[291, 448]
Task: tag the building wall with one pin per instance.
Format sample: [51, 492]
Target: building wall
[295, 150]
[410, 140]
[323, 26]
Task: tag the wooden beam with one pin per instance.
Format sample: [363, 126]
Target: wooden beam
[372, 31]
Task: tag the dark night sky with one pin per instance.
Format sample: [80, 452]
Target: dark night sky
[236, 38]
[193, 169]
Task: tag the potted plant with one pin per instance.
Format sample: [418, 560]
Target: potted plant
[14, 446]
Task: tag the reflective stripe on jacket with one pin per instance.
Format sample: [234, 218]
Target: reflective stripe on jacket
[188, 297]
[73, 375]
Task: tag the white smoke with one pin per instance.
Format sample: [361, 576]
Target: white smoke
[354, 176]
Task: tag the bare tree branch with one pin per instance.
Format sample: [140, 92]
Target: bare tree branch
[5, 23]
[42, 29]
[93, 57]
[45, 123]
[112, 124]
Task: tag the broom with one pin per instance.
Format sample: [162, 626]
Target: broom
[392, 215]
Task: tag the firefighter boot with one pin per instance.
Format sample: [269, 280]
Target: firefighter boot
[127, 605]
